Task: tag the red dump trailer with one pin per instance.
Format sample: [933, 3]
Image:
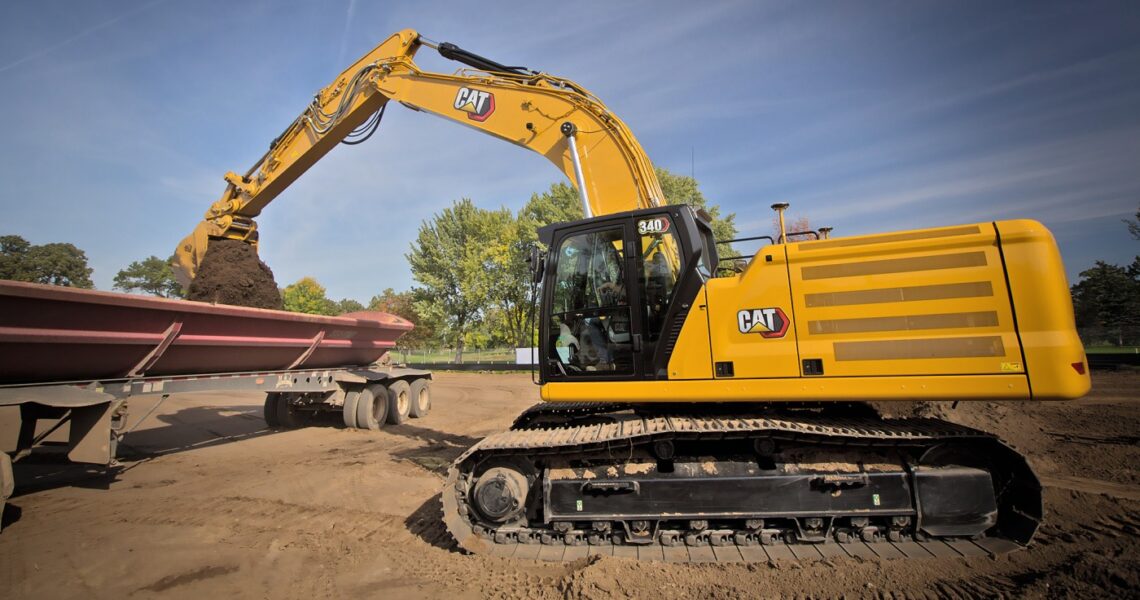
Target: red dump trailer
[74, 358]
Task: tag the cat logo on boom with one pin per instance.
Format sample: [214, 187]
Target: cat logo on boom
[768, 322]
[476, 103]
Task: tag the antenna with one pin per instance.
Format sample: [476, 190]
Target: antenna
[780, 207]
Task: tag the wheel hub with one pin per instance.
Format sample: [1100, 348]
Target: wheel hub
[500, 494]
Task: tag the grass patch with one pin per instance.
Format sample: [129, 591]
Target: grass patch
[1112, 350]
[469, 356]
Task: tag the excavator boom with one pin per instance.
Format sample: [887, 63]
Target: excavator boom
[551, 116]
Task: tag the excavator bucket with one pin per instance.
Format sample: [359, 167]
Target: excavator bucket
[189, 254]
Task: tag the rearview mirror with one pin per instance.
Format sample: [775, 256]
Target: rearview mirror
[537, 263]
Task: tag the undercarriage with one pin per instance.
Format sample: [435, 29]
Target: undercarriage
[694, 484]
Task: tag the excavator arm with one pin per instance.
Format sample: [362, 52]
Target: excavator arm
[552, 116]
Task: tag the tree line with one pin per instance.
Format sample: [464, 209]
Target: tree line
[469, 265]
[1106, 300]
[54, 264]
[472, 285]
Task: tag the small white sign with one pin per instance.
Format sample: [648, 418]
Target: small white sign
[526, 356]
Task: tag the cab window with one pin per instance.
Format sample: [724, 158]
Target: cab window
[590, 316]
[660, 269]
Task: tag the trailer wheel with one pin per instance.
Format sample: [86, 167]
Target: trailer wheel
[399, 402]
[7, 482]
[371, 407]
[349, 408]
[270, 409]
[421, 398]
[287, 417]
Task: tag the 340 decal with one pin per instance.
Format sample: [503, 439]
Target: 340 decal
[651, 226]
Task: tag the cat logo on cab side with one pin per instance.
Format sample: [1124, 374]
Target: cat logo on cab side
[768, 322]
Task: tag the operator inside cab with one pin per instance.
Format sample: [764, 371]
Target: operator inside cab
[592, 312]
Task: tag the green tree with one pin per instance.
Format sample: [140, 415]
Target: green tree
[506, 265]
[557, 205]
[13, 257]
[682, 189]
[55, 264]
[1108, 297]
[402, 304]
[560, 203]
[307, 296]
[347, 305]
[449, 259]
[152, 275]
[13, 245]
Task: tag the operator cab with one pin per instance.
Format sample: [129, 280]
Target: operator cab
[617, 290]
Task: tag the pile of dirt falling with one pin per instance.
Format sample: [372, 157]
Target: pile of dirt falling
[231, 273]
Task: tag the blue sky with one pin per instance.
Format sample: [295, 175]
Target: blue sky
[121, 118]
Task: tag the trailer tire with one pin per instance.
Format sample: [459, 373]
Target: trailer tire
[269, 411]
[421, 398]
[372, 407]
[7, 482]
[349, 408]
[399, 402]
[286, 416]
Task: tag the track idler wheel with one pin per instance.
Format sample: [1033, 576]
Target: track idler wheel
[500, 494]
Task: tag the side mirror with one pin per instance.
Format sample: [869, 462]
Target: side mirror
[537, 262]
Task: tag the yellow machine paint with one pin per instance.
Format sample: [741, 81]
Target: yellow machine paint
[527, 110]
[971, 312]
[967, 312]
[631, 315]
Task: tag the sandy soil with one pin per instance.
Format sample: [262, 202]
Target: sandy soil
[211, 504]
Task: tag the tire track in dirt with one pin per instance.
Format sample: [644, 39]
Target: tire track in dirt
[1092, 486]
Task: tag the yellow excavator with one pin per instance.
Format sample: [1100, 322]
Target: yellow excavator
[693, 417]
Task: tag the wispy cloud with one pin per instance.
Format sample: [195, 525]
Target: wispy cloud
[79, 36]
[867, 118]
[349, 14]
[1074, 161]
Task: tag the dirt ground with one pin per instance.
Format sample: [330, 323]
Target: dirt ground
[211, 504]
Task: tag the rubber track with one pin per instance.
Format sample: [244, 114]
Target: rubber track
[624, 430]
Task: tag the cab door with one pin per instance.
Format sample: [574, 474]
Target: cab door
[591, 328]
